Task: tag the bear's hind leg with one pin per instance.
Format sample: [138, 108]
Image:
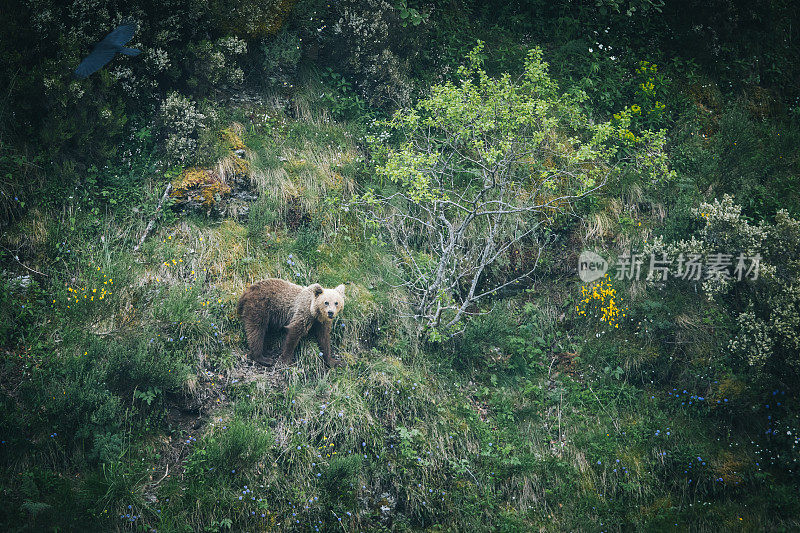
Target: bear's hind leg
[256, 332]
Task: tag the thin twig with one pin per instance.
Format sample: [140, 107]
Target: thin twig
[613, 420]
[162, 477]
[150, 224]
[26, 267]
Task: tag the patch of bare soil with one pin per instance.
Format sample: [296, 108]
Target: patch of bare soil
[190, 413]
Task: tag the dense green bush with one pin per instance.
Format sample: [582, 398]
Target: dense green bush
[88, 398]
[281, 56]
[370, 44]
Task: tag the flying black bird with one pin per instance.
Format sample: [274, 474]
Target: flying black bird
[105, 50]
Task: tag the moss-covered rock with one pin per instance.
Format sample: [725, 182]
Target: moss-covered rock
[224, 189]
[198, 188]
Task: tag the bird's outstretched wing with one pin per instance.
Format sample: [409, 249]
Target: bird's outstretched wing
[121, 35]
[105, 50]
[100, 56]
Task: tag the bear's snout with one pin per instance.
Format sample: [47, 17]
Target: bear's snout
[330, 314]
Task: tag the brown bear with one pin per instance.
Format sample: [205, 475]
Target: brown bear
[269, 306]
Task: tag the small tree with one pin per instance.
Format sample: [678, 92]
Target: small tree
[481, 169]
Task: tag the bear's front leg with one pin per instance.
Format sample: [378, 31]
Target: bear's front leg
[323, 334]
[294, 332]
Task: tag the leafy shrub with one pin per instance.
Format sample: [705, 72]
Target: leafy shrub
[745, 156]
[215, 63]
[250, 19]
[377, 50]
[280, 58]
[86, 397]
[340, 97]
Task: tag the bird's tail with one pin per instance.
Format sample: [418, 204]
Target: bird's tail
[130, 51]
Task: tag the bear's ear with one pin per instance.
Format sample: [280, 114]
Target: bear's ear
[316, 288]
[340, 290]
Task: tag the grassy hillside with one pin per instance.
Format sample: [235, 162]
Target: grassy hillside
[127, 401]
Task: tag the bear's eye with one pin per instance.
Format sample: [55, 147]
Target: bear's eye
[336, 304]
[326, 303]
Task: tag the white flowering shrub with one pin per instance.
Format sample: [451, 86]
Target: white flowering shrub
[753, 341]
[766, 303]
[180, 123]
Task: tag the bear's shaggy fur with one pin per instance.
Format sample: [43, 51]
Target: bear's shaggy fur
[269, 306]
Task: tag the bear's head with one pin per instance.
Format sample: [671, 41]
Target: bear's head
[326, 303]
